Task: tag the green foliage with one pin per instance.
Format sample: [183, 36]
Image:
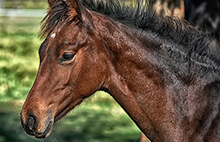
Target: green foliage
[100, 119]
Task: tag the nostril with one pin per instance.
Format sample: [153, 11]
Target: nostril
[32, 122]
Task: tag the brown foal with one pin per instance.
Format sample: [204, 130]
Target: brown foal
[162, 71]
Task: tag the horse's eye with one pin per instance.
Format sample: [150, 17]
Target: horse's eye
[67, 57]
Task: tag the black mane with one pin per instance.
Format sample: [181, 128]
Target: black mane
[178, 36]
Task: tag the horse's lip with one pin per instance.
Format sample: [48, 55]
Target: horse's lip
[46, 132]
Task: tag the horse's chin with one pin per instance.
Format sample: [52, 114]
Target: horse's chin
[66, 109]
[46, 133]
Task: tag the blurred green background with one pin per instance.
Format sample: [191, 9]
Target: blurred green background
[99, 119]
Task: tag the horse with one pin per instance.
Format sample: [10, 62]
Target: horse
[163, 72]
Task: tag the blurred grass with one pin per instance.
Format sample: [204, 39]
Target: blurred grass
[99, 119]
[27, 4]
[18, 56]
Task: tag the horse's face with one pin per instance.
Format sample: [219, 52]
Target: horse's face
[71, 69]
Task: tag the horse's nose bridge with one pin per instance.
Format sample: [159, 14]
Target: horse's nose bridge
[39, 95]
[47, 81]
[44, 74]
[42, 82]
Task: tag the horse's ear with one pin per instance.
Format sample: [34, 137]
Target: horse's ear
[79, 10]
[76, 6]
[73, 3]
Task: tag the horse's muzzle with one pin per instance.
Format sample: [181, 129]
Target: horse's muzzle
[31, 124]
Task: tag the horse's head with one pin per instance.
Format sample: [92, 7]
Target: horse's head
[71, 67]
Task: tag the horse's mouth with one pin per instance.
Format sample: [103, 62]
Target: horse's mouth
[37, 134]
[46, 132]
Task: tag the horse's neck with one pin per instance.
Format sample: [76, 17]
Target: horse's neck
[141, 88]
[135, 83]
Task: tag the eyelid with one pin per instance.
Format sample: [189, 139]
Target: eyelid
[68, 58]
[71, 48]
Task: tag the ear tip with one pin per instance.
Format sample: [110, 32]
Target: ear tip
[50, 2]
[72, 3]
